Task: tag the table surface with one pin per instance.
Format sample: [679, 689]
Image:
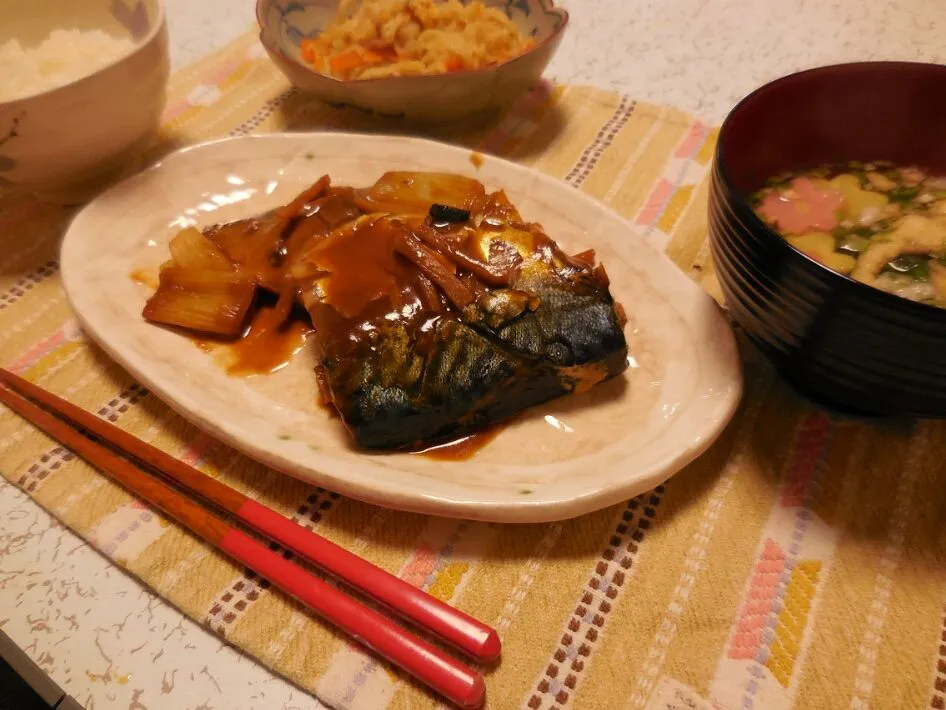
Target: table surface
[111, 643]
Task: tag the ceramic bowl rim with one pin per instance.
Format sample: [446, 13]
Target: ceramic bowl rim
[560, 11]
[160, 21]
[755, 225]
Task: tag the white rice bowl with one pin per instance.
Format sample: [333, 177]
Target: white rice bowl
[63, 57]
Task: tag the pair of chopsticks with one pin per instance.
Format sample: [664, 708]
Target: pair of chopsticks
[118, 454]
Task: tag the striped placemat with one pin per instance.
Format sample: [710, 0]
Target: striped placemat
[798, 564]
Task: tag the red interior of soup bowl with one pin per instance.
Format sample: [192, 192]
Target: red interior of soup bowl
[864, 111]
[839, 341]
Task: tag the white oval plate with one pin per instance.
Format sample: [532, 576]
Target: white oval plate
[568, 457]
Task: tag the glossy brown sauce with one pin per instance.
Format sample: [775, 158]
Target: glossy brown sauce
[462, 449]
[364, 286]
[361, 266]
[407, 268]
[267, 346]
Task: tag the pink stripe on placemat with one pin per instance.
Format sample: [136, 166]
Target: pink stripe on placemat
[226, 71]
[767, 578]
[693, 140]
[44, 346]
[422, 563]
[219, 76]
[663, 192]
[175, 110]
[655, 203]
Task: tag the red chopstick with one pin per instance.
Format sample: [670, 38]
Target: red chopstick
[425, 662]
[460, 630]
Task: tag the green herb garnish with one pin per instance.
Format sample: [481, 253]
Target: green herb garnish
[859, 233]
[902, 193]
[916, 266]
[853, 244]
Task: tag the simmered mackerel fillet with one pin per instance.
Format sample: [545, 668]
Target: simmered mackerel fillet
[437, 310]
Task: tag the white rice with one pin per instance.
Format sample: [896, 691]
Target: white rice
[63, 57]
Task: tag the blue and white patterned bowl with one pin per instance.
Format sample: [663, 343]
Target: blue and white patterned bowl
[430, 98]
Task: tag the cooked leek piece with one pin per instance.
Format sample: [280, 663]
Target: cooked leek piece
[415, 192]
[192, 250]
[254, 246]
[213, 302]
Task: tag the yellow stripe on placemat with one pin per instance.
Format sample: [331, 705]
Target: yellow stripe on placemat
[798, 564]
